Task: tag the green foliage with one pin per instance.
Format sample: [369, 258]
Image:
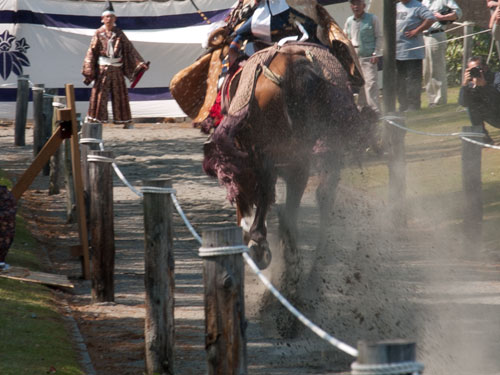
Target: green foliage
[480, 47]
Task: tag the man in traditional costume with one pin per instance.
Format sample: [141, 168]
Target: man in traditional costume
[110, 58]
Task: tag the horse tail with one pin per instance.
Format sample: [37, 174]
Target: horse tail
[302, 83]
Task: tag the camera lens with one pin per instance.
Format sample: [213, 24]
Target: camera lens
[475, 72]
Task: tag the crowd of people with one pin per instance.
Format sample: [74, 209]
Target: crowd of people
[420, 49]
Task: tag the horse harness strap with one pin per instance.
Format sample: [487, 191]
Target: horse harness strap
[277, 78]
[273, 77]
[259, 63]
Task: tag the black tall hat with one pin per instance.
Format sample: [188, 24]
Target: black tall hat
[109, 9]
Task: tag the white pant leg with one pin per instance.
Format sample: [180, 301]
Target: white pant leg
[435, 77]
[370, 95]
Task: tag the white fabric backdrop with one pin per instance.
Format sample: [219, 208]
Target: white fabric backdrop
[58, 33]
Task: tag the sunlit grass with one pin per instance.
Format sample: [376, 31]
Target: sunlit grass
[434, 167]
[33, 335]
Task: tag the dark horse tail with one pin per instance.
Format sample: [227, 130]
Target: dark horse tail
[302, 84]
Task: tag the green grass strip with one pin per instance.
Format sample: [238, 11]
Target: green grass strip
[33, 335]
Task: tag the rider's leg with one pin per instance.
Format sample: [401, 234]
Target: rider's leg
[244, 32]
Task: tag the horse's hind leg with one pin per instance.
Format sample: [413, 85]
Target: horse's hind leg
[296, 182]
[331, 165]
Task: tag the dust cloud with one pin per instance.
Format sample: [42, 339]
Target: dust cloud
[376, 280]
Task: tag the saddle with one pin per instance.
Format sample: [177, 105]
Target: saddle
[195, 87]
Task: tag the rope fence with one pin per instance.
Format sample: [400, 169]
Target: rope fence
[463, 135]
[219, 251]
[357, 369]
[387, 369]
[389, 120]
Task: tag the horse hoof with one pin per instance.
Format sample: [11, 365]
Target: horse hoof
[260, 254]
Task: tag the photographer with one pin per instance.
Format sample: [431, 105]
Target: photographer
[480, 93]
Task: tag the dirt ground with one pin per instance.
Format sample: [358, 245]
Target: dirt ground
[372, 282]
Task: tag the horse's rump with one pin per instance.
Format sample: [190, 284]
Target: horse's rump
[314, 78]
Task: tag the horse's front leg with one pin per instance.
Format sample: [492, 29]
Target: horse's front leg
[259, 247]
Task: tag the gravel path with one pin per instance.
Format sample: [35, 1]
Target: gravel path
[373, 282]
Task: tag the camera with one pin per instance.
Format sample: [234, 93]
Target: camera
[475, 72]
[444, 11]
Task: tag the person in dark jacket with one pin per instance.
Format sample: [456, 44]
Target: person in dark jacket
[480, 94]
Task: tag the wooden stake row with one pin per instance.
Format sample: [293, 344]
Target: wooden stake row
[67, 129]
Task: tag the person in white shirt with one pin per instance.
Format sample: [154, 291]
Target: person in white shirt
[435, 76]
[363, 29]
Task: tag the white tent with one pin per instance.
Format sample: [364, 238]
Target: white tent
[48, 39]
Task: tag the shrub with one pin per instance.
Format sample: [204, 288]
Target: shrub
[480, 47]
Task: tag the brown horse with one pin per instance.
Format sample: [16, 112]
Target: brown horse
[299, 110]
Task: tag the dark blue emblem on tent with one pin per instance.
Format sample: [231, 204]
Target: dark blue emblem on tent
[12, 58]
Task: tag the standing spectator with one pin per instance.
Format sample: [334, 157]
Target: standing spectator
[363, 29]
[412, 20]
[110, 57]
[494, 26]
[435, 77]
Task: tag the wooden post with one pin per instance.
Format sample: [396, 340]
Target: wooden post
[37, 91]
[68, 180]
[467, 53]
[389, 352]
[396, 162]
[159, 332]
[225, 324]
[47, 113]
[55, 175]
[89, 130]
[41, 127]
[472, 188]
[68, 184]
[23, 91]
[102, 228]
[389, 71]
[77, 178]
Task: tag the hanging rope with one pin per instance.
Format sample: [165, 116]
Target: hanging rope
[205, 18]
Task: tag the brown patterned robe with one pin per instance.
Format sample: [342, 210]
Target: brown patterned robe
[109, 79]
